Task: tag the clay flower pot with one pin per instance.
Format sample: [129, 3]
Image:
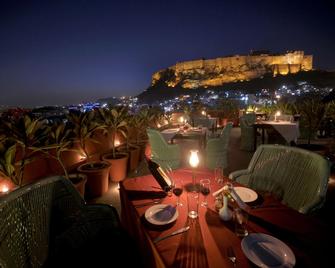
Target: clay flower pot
[118, 170]
[97, 177]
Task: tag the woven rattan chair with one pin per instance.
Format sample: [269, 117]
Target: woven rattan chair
[217, 149]
[48, 224]
[297, 176]
[247, 132]
[161, 152]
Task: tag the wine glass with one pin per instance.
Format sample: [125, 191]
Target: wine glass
[218, 174]
[205, 189]
[178, 190]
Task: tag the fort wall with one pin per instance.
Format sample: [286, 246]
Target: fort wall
[215, 72]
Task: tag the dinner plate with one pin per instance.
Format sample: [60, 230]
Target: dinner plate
[153, 210]
[267, 251]
[246, 194]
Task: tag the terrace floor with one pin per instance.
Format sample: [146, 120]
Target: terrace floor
[237, 159]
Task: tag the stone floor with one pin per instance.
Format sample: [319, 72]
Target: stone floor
[237, 159]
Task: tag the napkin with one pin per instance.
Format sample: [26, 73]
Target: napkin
[165, 214]
[238, 199]
[266, 255]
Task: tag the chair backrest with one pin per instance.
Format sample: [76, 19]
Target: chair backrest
[298, 176]
[157, 142]
[25, 220]
[217, 148]
[247, 131]
[247, 120]
[203, 121]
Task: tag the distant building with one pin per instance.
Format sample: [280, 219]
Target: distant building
[216, 72]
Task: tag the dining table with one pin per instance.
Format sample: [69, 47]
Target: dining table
[288, 130]
[210, 241]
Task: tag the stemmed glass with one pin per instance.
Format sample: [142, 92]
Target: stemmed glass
[178, 190]
[205, 189]
[218, 174]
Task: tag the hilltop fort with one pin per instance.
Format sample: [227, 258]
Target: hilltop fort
[216, 72]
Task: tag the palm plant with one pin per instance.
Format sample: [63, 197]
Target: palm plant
[83, 127]
[7, 161]
[312, 111]
[114, 122]
[60, 141]
[20, 138]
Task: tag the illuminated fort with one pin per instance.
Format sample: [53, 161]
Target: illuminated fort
[215, 72]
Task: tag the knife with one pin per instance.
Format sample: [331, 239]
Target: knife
[179, 231]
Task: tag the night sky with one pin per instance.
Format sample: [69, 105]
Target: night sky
[63, 52]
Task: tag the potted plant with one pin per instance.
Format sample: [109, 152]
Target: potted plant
[59, 142]
[83, 127]
[114, 122]
[130, 148]
[11, 176]
[141, 121]
[229, 110]
[26, 134]
[312, 112]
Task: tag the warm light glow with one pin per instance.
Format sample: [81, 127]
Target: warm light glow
[278, 113]
[181, 119]
[194, 159]
[4, 189]
[203, 112]
[117, 143]
[165, 122]
[278, 96]
[158, 125]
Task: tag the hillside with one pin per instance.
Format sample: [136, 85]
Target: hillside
[160, 91]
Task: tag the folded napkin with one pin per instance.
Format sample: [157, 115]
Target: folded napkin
[165, 214]
[267, 255]
[238, 200]
[226, 190]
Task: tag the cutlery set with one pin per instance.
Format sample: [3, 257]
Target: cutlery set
[179, 231]
[149, 203]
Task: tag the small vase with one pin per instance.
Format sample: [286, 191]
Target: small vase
[225, 213]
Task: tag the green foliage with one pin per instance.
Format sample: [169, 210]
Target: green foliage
[60, 140]
[312, 111]
[19, 139]
[83, 126]
[229, 109]
[114, 120]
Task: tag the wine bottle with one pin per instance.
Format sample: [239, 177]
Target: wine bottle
[160, 176]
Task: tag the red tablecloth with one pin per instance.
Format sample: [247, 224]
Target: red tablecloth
[207, 241]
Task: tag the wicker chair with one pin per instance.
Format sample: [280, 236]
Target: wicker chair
[297, 176]
[217, 148]
[48, 224]
[247, 132]
[161, 152]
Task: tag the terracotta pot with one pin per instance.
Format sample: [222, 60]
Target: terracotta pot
[118, 170]
[97, 177]
[36, 169]
[79, 181]
[134, 155]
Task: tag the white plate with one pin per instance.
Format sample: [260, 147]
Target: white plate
[246, 194]
[267, 251]
[150, 212]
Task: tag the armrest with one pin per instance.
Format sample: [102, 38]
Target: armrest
[235, 174]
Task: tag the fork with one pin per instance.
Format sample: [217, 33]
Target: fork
[149, 203]
[231, 255]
